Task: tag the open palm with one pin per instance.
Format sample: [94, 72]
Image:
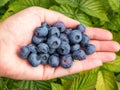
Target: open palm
[17, 31]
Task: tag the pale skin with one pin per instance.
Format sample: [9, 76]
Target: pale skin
[17, 30]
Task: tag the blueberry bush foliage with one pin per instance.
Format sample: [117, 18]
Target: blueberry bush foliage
[96, 13]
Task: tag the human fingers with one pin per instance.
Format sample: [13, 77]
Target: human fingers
[103, 56]
[107, 46]
[98, 34]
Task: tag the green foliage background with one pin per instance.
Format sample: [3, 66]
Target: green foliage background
[96, 13]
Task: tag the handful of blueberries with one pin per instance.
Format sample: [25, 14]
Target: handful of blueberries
[57, 45]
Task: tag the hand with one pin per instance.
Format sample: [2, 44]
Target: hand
[17, 31]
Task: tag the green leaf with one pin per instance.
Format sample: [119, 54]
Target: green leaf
[106, 81]
[3, 2]
[19, 5]
[56, 86]
[114, 23]
[93, 8]
[36, 85]
[86, 80]
[66, 83]
[70, 77]
[115, 4]
[118, 84]
[72, 3]
[113, 66]
[73, 13]
[116, 36]
[28, 85]
[84, 19]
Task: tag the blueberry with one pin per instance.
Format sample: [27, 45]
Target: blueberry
[32, 48]
[56, 54]
[60, 25]
[53, 42]
[44, 58]
[85, 40]
[52, 50]
[24, 52]
[64, 48]
[75, 47]
[75, 36]
[43, 48]
[90, 49]
[45, 24]
[34, 59]
[81, 28]
[41, 31]
[64, 37]
[54, 31]
[54, 61]
[36, 40]
[79, 55]
[66, 61]
[68, 31]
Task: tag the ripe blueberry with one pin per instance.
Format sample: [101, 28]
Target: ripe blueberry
[81, 28]
[41, 31]
[45, 24]
[54, 31]
[85, 40]
[34, 59]
[32, 48]
[66, 61]
[53, 61]
[64, 37]
[79, 55]
[43, 48]
[52, 50]
[75, 47]
[53, 42]
[64, 48]
[75, 36]
[44, 58]
[68, 31]
[37, 40]
[24, 52]
[90, 49]
[60, 25]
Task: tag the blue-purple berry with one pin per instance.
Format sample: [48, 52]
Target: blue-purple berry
[37, 40]
[54, 61]
[79, 55]
[81, 28]
[53, 42]
[54, 31]
[90, 49]
[75, 47]
[68, 31]
[44, 58]
[75, 36]
[66, 61]
[60, 25]
[64, 37]
[43, 48]
[34, 59]
[64, 48]
[41, 32]
[32, 48]
[24, 52]
[85, 40]
[45, 24]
